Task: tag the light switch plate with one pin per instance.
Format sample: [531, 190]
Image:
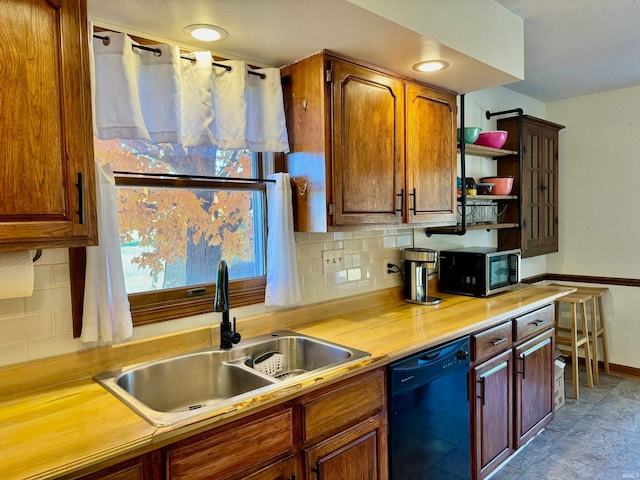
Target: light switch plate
[333, 260]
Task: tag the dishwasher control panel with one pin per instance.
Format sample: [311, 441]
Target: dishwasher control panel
[423, 367]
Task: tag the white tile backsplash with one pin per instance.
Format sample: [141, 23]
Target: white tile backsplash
[41, 325]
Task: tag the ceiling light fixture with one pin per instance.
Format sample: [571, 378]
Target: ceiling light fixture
[205, 32]
[431, 66]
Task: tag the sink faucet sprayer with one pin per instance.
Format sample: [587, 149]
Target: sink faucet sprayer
[228, 334]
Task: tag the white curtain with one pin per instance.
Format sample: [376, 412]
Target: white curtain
[163, 98]
[282, 267]
[106, 312]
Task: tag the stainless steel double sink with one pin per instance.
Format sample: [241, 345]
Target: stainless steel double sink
[171, 390]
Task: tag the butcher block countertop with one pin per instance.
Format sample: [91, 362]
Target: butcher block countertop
[56, 422]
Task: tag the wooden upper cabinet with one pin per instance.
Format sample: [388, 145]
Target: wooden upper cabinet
[430, 155]
[362, 139]
[368, 170]
[538, 185]
[47, 193]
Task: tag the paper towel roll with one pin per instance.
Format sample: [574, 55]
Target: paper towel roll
[16, 274]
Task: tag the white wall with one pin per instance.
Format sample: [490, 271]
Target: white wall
[599, 221]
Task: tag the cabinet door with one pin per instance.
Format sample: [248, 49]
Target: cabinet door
[430, 155]
[359, 453]
[47, 192]
[283, 470]
[548, 204]
[533, 386]
[138, 468]
[540, 189]
[230, 452]
[493, 413]
[368, 149]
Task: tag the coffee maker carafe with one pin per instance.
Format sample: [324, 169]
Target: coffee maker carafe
[419, 264]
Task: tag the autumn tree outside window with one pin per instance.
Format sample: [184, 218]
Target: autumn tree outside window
[173, 231]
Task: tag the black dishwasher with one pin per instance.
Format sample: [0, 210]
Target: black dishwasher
[429, 429]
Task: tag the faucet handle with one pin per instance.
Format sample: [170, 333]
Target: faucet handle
[235, 337]
[231, 336]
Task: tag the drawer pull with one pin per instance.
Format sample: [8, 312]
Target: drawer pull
[317, 470]
[537, 323]
[499, 341]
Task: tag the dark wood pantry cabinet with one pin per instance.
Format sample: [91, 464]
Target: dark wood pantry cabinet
[368, 147]
[47, 194]
[536, 181]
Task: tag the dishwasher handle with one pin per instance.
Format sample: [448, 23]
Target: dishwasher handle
[453, 351]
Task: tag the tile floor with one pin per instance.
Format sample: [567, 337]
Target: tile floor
[596, 437]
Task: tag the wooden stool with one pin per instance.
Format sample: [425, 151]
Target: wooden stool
[595, 331]
[573, 342]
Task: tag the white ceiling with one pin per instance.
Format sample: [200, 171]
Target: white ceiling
[572, 47]
[577, 47]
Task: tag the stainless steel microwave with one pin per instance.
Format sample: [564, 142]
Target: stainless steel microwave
[479, 271]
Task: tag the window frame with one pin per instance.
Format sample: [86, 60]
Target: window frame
[170, 304]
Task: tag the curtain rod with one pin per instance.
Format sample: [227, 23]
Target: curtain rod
[192, 177]
[106, 40]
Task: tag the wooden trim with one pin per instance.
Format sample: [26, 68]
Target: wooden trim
[614, 368]
[625, 282]
[622, 370]
[153, 307]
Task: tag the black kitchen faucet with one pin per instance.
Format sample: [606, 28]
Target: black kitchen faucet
[228, 333]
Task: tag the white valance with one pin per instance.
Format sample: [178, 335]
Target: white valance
[162, 97]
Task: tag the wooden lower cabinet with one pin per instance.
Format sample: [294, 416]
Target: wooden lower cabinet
[138, 468]
[512, 383]
[282, 470]
[341, 428]
[534, 382]
[359, 453]
[493, 413]
[232, 452]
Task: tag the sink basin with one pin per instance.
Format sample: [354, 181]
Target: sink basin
[171, 390]
[188, 382]
[299, 354]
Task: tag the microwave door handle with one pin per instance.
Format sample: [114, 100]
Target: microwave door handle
[514, 273]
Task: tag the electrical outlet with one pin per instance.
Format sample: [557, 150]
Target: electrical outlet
[333, 260]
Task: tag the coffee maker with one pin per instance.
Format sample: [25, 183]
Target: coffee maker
[419, 264]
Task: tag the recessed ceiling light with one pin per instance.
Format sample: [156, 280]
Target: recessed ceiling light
[431, 66]
[206, 33]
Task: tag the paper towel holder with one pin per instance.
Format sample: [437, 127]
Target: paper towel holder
[37, 256]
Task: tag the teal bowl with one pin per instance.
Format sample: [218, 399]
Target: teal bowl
[470, 134]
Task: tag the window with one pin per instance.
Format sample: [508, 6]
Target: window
[181, 210]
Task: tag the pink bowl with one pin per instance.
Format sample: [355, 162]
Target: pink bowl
[494, 139]
[501, 185]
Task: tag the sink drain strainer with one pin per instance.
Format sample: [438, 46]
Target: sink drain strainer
[269, 363]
